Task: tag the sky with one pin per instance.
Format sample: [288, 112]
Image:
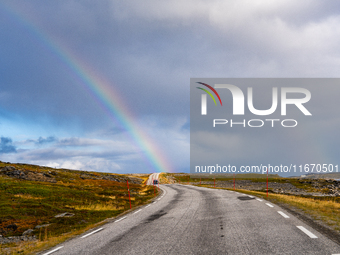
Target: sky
[104, 85]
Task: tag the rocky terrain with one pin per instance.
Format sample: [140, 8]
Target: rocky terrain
[38, 202]
[24, 174]
[306, 187]
[52, 175]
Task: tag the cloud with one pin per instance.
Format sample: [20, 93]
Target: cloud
[50, 139]
[79, 153]
[6, 146]
[96, 164]
[146, 52]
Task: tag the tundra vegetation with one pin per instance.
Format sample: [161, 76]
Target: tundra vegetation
[44, 206]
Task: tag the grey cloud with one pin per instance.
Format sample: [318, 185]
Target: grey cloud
[6, 146]
[50, 139]
[147, 51]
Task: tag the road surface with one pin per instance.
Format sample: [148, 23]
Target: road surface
[197, 220]
[152, 177]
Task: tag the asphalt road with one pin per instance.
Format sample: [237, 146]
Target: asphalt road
[152, 177]
[195, 220]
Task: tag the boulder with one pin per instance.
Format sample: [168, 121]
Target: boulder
[12, 227]
[41, 226]
[65, 214]
[27, 232]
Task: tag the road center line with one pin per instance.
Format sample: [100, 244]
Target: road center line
[92, 232]
[307, 232]
[269, 205]
[56, 249]
[137, 211]
[121, 219]
[259, 199]
[283, 214]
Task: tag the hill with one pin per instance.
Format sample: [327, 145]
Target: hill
[43, 205]
[335, 176]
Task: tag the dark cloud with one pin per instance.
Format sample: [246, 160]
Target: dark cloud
[43, 140]
[6, 146]
[147, 52]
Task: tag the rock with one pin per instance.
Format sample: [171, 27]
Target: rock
[12, 227]
[25, 174]
[16, 239]
[27, 232]
[65, 214]
[41, 226]
[8, 168]
[11, 171]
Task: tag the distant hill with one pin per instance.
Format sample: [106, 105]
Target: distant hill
[237, 176]
[335, 176]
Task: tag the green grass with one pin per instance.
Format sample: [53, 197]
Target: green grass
[30, 203]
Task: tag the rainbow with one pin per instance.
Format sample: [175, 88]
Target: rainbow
[101, 90]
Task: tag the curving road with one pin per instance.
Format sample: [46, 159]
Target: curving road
[152, 177]
[195, 220]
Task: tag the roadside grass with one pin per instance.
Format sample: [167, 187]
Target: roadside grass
[326, 209]
[163, 178]
[144, 177]
[305, 184]
[44, 242]
[25, 204]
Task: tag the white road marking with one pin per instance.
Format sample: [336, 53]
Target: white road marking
[121, 219]
[92, 232]
[250, 196]
[147, 206]
[56, 249]
[283, 214]
[137, 211]
[307, 232]
[269, 205]
[259, 199]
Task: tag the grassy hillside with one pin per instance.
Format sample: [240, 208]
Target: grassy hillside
[32, 196]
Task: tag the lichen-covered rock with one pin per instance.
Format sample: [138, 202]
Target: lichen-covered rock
[65, 214]
[27, 232]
